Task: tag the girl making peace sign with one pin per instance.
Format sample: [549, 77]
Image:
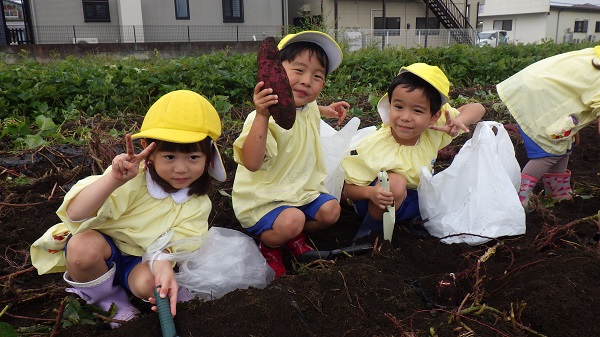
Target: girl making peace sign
[142, 201]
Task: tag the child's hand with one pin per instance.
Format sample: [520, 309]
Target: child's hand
[452, 127]
[380, 196]
[127, 165]
[263, 99]
[165, 277]
[337, 110]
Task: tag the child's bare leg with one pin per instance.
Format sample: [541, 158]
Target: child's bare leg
[287, 226]
[398, 188]
[327, 215]
[86, 256]
[141, 281]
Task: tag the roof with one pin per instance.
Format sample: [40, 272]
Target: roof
[14, 2]
[576, 5]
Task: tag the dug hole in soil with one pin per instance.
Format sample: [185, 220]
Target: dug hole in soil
[542, 283]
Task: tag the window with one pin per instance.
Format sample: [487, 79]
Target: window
[233, 11]
[503, 25]
[581, 26]
[96, 11]
[597, 27]
[392, 26]
[428, 26]
[11, 12]
[182, 9]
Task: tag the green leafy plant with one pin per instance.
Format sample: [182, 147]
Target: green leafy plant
[63, 91]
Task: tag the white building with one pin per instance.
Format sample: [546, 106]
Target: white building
[533, 21]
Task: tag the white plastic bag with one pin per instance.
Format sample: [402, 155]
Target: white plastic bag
[478, 193]
[226, 260]
[337, 145]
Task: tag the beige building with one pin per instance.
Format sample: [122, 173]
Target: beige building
[102, 21]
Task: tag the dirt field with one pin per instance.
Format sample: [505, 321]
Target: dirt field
[543, 283]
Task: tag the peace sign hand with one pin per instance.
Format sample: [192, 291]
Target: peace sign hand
[452, 127]
[126, 166]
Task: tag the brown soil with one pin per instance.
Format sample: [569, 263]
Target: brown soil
[544, 282]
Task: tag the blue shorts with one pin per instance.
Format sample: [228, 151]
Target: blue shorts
[407, 211]
[534, 151]
[309, 210]
[124, 263]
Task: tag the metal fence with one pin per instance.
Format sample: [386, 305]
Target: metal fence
[354, 38]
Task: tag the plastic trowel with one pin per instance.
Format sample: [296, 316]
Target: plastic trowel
[389, 217]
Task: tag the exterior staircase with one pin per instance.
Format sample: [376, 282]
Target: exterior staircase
[452, 18]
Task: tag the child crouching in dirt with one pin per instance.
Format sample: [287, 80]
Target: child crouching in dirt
[417, 123]
[551, 100]
[143, 200]
[279, 191]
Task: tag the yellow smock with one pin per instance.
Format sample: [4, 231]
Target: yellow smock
[292, 173]
[543, 97]
[131, 216]
[380, 151]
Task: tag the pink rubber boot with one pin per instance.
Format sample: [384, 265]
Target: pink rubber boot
[527, 185]
[558, 185]
[102, 293]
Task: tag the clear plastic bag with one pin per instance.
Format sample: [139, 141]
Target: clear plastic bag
[337, 145]
[226, 260]
[478, 193]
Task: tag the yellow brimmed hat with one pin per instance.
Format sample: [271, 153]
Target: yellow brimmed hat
[184, 117]
[432, 74]
[331, 48]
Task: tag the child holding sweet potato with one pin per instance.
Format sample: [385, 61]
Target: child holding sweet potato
[278, 192]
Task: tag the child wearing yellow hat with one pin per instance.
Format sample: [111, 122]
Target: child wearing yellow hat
[141, 201]
[279, 191]
[417, 123]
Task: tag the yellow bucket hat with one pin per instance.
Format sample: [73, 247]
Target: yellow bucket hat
[184, 117]
[331, 48]
[432, 74]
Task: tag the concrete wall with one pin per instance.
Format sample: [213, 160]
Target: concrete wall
[507, 7]
[526, 28]
[560, 20]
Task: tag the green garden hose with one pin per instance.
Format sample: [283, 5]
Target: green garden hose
[167, 326]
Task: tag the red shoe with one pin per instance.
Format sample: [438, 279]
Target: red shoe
[273, 257]
[298, 246]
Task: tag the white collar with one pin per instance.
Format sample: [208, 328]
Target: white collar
[158, 192]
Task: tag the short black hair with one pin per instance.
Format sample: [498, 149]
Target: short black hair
[289, 52]
[202, 185]
[411, 82]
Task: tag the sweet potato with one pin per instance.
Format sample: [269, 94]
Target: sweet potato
[271, 71]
